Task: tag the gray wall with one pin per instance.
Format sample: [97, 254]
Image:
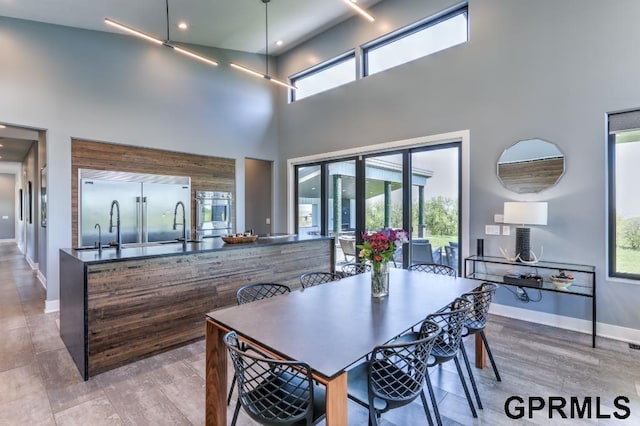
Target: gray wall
[546, 68]
[118, 88]
[7, 206]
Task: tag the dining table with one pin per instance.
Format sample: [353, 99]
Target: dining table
[330, 327]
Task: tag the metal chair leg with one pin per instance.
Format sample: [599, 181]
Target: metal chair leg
[235, 414]
[233, 383]
[473, 381]
[493, 363]
[464, 386]
[432, 395]
[426, 408]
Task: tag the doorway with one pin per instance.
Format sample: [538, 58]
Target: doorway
[257, 190]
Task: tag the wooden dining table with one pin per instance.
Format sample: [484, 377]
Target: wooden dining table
[330, 327]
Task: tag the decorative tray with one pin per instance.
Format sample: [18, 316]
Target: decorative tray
[238, 239]
[561, 281]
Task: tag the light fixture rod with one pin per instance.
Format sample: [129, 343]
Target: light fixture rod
[166, 43]
[260, 75]
[133, 31]
[168, 38]
[360, 10]
[266, 35]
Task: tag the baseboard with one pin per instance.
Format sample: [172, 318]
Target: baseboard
[8, 240]
[51, 306]
[32, 264]
[609, 331]
[42, 279]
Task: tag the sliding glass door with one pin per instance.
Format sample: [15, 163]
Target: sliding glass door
[415, 189]
[435, 203]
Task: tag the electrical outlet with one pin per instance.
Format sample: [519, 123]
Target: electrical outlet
[492, 229]
[506, 230]
[498, 218]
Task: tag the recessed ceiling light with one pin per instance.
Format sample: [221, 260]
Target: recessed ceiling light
[183, 25]
[2, 126]
[279, 43]
[1, 145]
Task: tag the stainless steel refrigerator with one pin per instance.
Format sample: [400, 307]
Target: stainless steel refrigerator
[148, 206]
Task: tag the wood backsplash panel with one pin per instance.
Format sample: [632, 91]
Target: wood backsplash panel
[207, 173]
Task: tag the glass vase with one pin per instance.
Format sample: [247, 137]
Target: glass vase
[380, 279]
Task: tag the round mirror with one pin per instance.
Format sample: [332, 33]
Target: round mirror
[531, 166]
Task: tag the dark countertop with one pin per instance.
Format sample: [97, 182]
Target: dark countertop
[137, 251]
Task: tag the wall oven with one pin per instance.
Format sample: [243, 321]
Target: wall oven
[213, 214]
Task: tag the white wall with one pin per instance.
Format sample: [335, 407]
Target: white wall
[117, 88]
[532, 69]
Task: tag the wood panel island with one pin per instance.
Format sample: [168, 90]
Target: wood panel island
[118, 307]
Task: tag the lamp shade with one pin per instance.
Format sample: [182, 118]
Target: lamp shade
[525, 213]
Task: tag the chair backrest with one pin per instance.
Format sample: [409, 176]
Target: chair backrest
[434, 268]
[421, 252]
[451, 256]
[348, 245]
[315, 278]
[271, 391]
[355, 268]
[451, 320]
[480, 299]
[258, 291]
[397, 371]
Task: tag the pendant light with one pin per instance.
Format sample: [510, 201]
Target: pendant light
[354, 5]
[266, 75]
[155, 40]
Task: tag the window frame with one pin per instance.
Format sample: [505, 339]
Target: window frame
[401, 33]
[612, 210]
[319, 68]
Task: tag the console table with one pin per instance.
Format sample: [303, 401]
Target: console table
[493, 269]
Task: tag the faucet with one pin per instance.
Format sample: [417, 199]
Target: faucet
[184, 221]
[118, 235]
[99, 243]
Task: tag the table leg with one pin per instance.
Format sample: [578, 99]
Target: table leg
[216, 377]
[337, 401]
[481, 352]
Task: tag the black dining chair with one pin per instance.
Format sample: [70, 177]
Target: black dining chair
[250, 293]
[311, 279]
[433, 268]
[394, 375]
[475, 323]
[258, 291]
[451, 320]
[272, 391]
[354, 268]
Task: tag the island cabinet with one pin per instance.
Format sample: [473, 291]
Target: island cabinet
[118, 307]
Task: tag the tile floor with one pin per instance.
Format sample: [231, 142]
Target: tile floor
[39, 384]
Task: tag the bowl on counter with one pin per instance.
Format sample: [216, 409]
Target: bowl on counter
[239, 239]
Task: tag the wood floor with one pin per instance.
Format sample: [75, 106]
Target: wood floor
[39, 384]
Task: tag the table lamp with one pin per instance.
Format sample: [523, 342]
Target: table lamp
[524, 213]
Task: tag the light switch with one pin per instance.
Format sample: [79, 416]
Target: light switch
[5, 217]
[498, 218]
[492, 229]
[506, 230]
[268, 221]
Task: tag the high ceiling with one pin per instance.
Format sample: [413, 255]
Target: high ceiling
[229, 24]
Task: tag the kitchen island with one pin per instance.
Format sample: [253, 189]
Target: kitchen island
[120, 306]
